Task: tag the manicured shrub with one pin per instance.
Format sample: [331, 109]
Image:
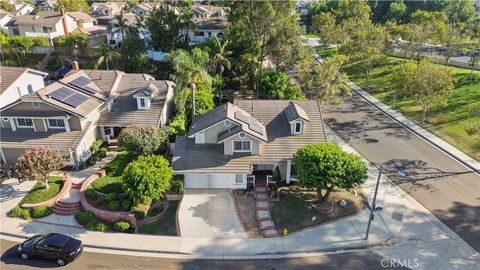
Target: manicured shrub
[85, 217]
[114, 205]
[140, 210]
[126, 205]
[142, 140]
[98, 225]
[91, 194]
[41, 211]
[121, 226]
[102, 152]
[111, 197]
[96, 145]
[18, 212]
[147, 177]
[92, 160]
[177, 184]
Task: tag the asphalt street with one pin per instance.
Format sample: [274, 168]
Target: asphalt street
[92, 261]
[444, 186]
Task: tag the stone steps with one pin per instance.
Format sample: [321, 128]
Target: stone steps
[66, 208]
[262, 205]
[266, 225]
[270, 233]
[262, 209]
[76, 186]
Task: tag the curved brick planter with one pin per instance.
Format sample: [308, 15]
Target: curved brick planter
[67, 185]
[154, 218]
[108, 216]
[174, 197]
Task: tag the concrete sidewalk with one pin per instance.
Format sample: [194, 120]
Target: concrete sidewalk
[404, 230]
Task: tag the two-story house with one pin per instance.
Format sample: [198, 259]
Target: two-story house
[143, 8]
[209, 21]
[105, 11]
[241, 143]
[69, 115]
[16, 82]
[49, 24]
[23, 9]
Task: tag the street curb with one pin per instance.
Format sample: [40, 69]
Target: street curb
[359, 91]
[258, 256]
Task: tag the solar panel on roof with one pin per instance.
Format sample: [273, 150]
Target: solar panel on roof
[83, 82]
[68, 97]
[90, 89]
[256, 127]
[242, 117]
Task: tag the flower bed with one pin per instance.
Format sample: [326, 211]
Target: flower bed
[39, 194]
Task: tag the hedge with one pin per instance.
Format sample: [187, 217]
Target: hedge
[121, 226]
[114, 205]
[111, 197]
[18, 212]
[98, 225]
[126, 205]
[140, 210]
[85, 217]
[41, 211]
[91, 194]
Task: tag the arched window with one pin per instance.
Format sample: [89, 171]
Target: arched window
[30, 88]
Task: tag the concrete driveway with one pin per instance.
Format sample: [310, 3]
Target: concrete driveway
[209, 213]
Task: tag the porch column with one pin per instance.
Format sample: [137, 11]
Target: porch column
[2, 156]
[112, 133]
[102, 132]
[12, 124]
[289, 169]
[67, 126]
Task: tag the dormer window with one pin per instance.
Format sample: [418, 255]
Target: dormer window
[143, 104]
[144, 95]
[297, 127]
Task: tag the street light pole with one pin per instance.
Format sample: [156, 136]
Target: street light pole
[373, 208]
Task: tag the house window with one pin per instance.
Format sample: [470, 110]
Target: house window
[142, 103]
[239, 178]
[209, 34]
[200, 34]
[241, 146]
[297, 128]
[47, 29]
[30, 88]
[19, 91]
[34, 28]
[24, 123]
[56, 123]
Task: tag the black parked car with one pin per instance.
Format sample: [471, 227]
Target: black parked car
[60, 247]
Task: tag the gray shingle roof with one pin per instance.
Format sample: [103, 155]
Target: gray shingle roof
[293, 112]
[203, 158]
[26, 138]
[124, 111]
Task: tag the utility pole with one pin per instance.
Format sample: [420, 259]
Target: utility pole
[373, 208]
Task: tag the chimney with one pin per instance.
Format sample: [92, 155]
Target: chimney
[64, 21]
[75, 65]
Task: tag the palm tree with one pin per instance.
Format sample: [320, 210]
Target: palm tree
[107, 54]
[220, 59]
[121, 23]
[190, 69]
[187, 23]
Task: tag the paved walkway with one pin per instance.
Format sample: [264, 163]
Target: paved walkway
[403, 230]
[209, 213]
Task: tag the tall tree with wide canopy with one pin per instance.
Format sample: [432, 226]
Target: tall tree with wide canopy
[326, 167]
[164, 26]
[426, 83]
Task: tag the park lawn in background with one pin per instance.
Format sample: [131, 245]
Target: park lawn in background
[295, 212]
[39, 194]
[448, 123]
[112, 182]
[167, 225]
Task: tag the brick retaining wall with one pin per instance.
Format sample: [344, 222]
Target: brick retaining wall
[67, 185]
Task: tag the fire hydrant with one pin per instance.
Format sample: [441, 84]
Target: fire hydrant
[285, 232]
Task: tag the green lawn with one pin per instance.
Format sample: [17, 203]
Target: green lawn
[167, 225]
[448, 122]
[295, 212]
[39, 194]
[114, 169]
[311, 35]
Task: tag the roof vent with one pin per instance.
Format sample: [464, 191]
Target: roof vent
[36, 17]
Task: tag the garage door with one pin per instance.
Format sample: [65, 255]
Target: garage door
[209, 180]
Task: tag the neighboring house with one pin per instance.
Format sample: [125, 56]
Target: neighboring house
[105, 12]
[209, 21]
[23, 9]
[49, 24]
[114, 34]
[5, 18]
[16, 82]
[69, 115]
[47, 5]
[241, 143]
[87, 25]
[143, 8]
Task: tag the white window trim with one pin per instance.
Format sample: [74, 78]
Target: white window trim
[241, 151]
[295, 127]
[56, 127]
[244, 177]
[20, 126]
